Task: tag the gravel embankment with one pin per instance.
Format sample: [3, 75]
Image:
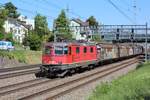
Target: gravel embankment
[18, 79]
[79, 94]
[5, 62]
[84, 92]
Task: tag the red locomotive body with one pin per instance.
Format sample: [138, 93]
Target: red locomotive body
[57, 57]
[62, 53]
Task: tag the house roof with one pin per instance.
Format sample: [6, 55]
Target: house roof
[23, 23]
[80, 22]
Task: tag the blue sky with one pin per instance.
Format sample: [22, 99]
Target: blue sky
[101, 9]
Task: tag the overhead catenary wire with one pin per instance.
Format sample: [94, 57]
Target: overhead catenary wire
[120, 11]
[34, 12]
[31, 12]
[60, 8]
[125, 5]
[41, 7]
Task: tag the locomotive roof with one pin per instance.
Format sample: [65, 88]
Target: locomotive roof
[67, 43]
[103, 44]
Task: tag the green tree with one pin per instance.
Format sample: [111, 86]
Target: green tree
[62, 26]
[41, 25]
[26, 40]
[96, 38]
[51, 38]
[92, 21]
[3, 17]
[33, 41]
[9, 37]
[1, 36]
[12, 10]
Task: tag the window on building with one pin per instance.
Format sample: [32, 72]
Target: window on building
[11, 29]
[18, 31]
[77, 50]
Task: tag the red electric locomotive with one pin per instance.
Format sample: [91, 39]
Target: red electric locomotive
[59, 59]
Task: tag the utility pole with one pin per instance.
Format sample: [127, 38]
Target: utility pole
[134, 10]
[54, 32]
[67, 11]
[146, 44]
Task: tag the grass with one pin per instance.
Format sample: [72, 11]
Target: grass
[24, 56]
[134, 86]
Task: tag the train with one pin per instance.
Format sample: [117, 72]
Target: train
[60, 59]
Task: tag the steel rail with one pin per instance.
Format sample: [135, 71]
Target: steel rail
[84, 83]
[8, 75]
[19, 68]
[73, 81]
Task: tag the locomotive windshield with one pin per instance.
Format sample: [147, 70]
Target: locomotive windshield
[47, 50]
[59, 50]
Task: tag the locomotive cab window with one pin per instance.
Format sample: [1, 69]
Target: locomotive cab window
[91, 49]
[70, 50]
[47, 50]
[65, 50]
[77, 50]
[59, 50]
[85, 49]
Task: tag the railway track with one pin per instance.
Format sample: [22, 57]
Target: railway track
[19, 68]
[22, 85]
[65, 88]
[18, 71]
[57, 87]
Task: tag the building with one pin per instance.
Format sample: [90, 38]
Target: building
[80, 29]
[18, 27]
[27, 21]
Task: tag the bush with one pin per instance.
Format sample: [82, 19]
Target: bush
[1, 36]
[33, 41]
[134, 86]
[18, 55]
[9, 37]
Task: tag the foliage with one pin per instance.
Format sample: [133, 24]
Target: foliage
[92, 21]
[26, 40]
[33, 41]
[62, 26]
[51, 38]
[18, 55]
[1, 36]
[96, 38]
[64, 37]
[134, 86]
[3, 16]
[12, 10]
[24, 56]
[9, 37]
[41, 25]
